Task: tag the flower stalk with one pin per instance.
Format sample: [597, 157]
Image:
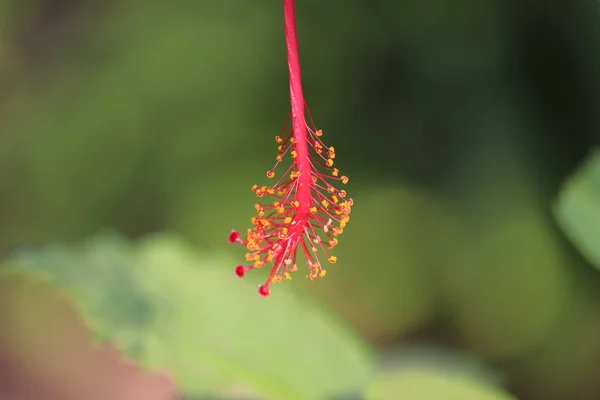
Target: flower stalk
[306, 210]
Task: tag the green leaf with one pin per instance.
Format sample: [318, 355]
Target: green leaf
[577, 209]
[457, 361]
[432, 384]
[173, 310]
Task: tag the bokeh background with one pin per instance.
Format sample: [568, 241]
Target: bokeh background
[457, 122]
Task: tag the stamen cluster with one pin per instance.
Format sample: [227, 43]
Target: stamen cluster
[305, 209]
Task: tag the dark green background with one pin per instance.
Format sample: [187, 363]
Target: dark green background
[456, 121]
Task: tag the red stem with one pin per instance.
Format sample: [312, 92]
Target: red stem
[297, 104]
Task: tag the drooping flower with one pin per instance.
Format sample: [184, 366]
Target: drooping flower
[306, 208]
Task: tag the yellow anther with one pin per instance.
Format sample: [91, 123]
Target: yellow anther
[334, 199]
[329, 162]
[325, 203]
[294, 154]
[284, 230]
[296, 203]
[293, 140]
[279, 157]
[271, 191]
[319, 132]
[344, 179]
[254, 188]
[313, 210]
[331, 189]
[312, 276]
[287, 220]
[249, 257]
[280, 147]
[335, 172]
[280, 209]
[278, 139]
[337, 231]
[332, 259]
[270, 174]
[258, 264]
[257, 206]
[323, 273]
[287, 276]
[314, 179]
[333, 242]
[294, 175]
[342, 193]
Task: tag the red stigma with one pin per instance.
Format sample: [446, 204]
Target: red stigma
[264, 290]
[240, 271]
[234, 236]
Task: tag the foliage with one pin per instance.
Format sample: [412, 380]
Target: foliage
[159, 302]
[577, 208]
[423, 383]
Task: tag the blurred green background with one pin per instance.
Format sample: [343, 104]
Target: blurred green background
[458, 123]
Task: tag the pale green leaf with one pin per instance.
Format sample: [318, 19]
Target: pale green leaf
[577, 209]
[172, 309]
[432, 384]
